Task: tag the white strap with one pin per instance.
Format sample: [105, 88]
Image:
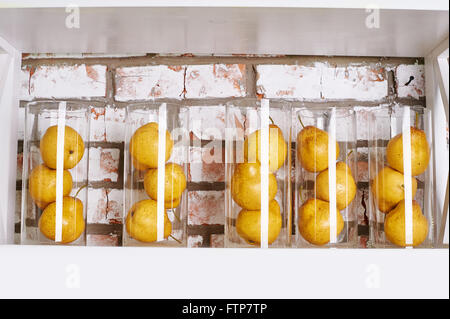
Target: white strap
[406, 134]
[332, 174]
[60, 170]
[264, 173]
[162, 117]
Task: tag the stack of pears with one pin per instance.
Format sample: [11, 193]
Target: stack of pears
[388, 188]
[314, 214]
[141, 221]
[246, 186]
[42, 185]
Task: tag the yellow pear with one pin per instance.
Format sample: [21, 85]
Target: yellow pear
[139, 166]
[42, 185]
[73, 147]
[141, 221]
[420, 152]
[314, 221]
[277, 148]
[312, 149]
[246, 186]
[73, 224]
[388, 189]
[394, 225]
[172, 204]
[345, 186]
[144, 145]
[174, 185]
[248, 224]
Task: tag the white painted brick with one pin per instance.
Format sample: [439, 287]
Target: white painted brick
[195, 241]
[107, 124]
[206, 207]
[416, 86]
[105, 206]
[321, 82]
[357, 83]
[363, 120]
[68, 81]
[102, 240]
[25, 84]
[205, 166]
[97, 130]
[289, 81]
[32, 56]
[115, 124]
[217, 240]
[207, 121]
[103, 164]
[149, 82]
[215, 80]
[115, 205]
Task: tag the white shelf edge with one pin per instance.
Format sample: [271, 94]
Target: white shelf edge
[11, 60]
[438, 5]
[141, 272]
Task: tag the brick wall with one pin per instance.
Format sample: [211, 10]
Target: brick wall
[108, 83]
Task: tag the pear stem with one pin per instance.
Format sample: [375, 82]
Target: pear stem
[301, 122]
[177, 240]
[271, 120]
[348, 155]
[84, 186]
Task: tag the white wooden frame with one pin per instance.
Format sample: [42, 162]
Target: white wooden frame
[186, 273]
[436, 77]
[10, 63]
[228, 27]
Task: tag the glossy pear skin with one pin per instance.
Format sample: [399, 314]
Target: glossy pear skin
[73, 147]
[172, 204]
[138, 166]
[42, 185]
[248, 224]
[388, 189]
[345, 186]
[314, 221]
[246, 186]
[141, 221]
[144, 145]
[420, 152]
[394, 225]
[312, 149]
[73, 223]
[277, 148]
[174, 185]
